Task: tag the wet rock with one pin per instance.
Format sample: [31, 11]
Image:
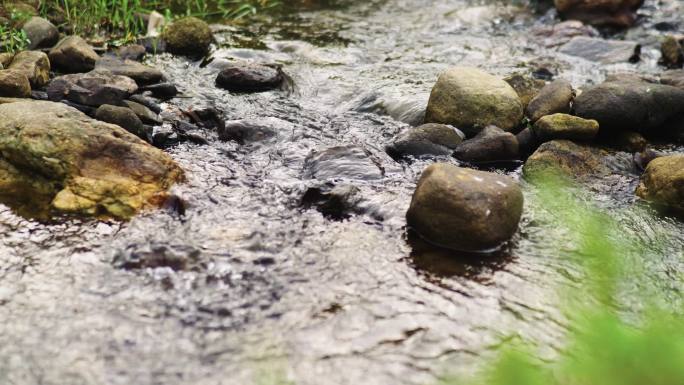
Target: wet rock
[489, 145]
[563, 126]
[603, 51]
[526, 86]
[631, 105]
[141, 73]
[428, 139]
[252, 130]
[41, 33]
[188, 132]
[643, 158]
[672, 52]
[617, 13]
[208, 118]
[568, 158]
[628, 141]
[163, 91]
[131, 52]
[555, 97]
[147, 102]
[333, 201]
[72, 54]
[471, 99]
[663, 182]
[165, 136]
[464, 209]
[189, 36]
[14, 84]
[122, 117]
[94, 88]
[152, 256]
[34, 65]
[145, 114]
[342, 162]
[77, 165]
[673, 78]
[527, 142]
[563, 32]
[249, 78]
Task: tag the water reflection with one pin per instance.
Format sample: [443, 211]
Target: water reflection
[437, 263]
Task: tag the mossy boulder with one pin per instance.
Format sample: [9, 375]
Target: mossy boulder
[62, 161]
[189, 36]
[465, 209]
[663, 182]
[567, 158]
[564, 126]
[471, 99]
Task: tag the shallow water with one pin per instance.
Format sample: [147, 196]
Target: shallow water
[279, 289]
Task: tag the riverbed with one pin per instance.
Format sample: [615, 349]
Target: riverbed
[277, 290]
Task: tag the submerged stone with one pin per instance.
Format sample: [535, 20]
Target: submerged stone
[428, 139]
[250, 78]
[602, 50]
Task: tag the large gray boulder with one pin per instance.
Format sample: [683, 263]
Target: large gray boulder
[465, 209]
[631, 105]
[471, 99]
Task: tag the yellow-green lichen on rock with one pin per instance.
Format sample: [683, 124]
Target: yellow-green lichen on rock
[663, 182]
[55, 157]
[188, 36]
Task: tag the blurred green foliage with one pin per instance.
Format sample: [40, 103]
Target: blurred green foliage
[603, 348]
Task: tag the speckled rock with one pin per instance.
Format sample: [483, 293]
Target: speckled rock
[465, 209]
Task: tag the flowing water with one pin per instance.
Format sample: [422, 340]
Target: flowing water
[273, 289]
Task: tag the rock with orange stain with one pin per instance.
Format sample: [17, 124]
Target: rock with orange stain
[54, 159]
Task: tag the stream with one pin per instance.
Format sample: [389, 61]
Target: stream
[276, 290]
